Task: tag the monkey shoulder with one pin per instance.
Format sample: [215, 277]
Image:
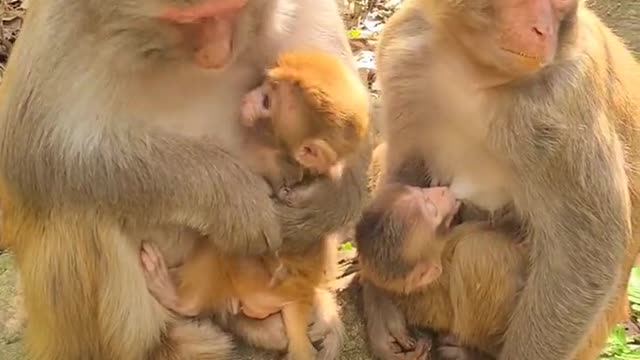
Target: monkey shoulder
[405, 41]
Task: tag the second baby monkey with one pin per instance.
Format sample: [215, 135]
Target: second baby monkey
[462, 280]
[309, 115]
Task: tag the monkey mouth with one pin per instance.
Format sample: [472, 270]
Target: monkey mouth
[532, 59]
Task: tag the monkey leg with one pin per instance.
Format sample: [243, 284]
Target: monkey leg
[86, 297]
[296, 318]
[615, 313]
[327, 326]
[268, 333]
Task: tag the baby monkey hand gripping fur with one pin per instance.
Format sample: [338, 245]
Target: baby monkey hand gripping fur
[461, 281]
[317, 114]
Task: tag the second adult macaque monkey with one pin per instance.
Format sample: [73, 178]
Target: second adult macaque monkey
[316, 111]
[532, 104]
[107, 139]
[461, 280]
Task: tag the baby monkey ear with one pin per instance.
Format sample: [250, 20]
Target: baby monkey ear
[423, 275]
[316, 154]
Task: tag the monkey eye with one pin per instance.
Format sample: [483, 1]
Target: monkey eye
[266, 102]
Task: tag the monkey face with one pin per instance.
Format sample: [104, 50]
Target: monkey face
[516, 37]
[208, 33]
[429, 209]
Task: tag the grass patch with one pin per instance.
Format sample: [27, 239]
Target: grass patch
[624, 342]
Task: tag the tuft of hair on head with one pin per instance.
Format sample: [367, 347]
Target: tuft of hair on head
[332, 90]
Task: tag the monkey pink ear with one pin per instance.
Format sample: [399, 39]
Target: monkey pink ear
[316, 155]
[425, 273]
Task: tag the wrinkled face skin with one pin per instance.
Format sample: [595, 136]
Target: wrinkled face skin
[207, 27]
[517, 37]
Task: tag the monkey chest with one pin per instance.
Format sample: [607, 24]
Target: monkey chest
[462, 159]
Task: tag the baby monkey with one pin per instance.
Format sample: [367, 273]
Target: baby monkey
[461, 281]
[310, 113]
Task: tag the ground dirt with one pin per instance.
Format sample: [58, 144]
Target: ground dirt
[622, 15]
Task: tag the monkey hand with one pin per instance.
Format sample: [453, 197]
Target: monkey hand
[387, 329]
[296, 197]
[390, 340]
[159, 282]
[326, 332]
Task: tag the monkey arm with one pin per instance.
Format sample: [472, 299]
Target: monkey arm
[332, 204]
[580, 224]
[147, 177]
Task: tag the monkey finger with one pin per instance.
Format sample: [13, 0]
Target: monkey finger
[406, 341]
[151, 252]
[387, 351]
[422, 350]
[147, 263]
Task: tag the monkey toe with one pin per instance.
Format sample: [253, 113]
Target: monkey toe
[391, 350]
[406, 341]
[400, 335]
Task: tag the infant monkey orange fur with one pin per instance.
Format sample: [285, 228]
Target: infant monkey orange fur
[210, 282]
[462, 280]
[317, 113]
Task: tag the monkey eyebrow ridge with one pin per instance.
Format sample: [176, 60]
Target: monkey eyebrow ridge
[207, 9]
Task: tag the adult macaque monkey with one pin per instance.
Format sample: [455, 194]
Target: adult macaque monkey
[533, 104]
[118, 123]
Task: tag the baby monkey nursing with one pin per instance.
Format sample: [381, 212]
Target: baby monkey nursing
[316, 114]
[443, 277]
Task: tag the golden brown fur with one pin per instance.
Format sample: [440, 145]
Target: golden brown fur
[208, 281]
[333, 93]
[557, 142]
[474, 298]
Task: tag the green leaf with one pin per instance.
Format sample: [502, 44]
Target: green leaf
[348, 246]
[354, 33]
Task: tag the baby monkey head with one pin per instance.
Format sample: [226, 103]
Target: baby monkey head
[319, 107]
[402, 234]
